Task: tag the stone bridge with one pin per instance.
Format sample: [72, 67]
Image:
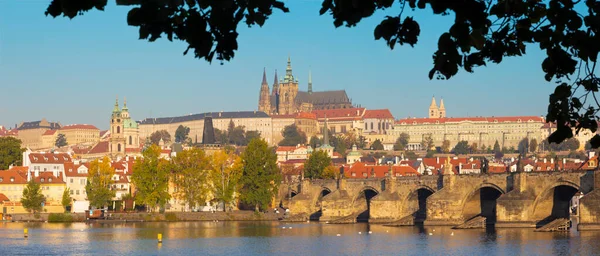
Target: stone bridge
[523, 199]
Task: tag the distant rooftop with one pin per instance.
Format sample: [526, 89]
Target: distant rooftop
[214, 115]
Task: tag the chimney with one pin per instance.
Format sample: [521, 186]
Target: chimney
[551, 160]
[564, 161]
[437, 160]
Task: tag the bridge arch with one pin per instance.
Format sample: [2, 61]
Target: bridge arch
[416, 203]
[316, 202]
[481, 201]
[362, 203]
[554, 202]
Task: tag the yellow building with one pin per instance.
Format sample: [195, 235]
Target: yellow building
[80, 133]
[30, 133]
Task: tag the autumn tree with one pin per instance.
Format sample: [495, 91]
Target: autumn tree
[225, 173]
[260, 175]
[427, 142]
[160, 134]
[401, 141]
[66, 198]
[377, 145]
[98, 184]
[315, 165]
[181, 134]
[446, 146]
[151, 178]
[32, 198]
[190, 174]
[292, 136]
[61, 140]
[331, 172]
[473, 148]
[11, 152]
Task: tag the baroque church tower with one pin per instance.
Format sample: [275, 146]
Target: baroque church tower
[124, 132]
[434, 111]
[264, 100]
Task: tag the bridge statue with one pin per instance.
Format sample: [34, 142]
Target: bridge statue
[484, 165]
[448, 167]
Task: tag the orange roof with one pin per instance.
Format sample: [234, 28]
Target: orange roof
[499, 119]
[79, 126]
[17, 178]
[362, 170]
[3, 198]
[339, 113]
[45, 158]
[306, 115]
[48, 178]
[71, 170]
[101, 147]
[378, 113]
[288, 148]
[102, 133]
[49, 132]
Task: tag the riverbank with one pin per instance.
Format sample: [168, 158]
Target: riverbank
[151, 217]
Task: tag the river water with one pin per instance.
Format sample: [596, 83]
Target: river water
[260, 238]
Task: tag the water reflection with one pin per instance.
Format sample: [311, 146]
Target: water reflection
[259, 238]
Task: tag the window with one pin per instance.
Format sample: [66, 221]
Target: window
[42, 179]
[130, 139]
[71, 181]
[119, 148]
[49, 179]
[118, 129]
[71, 192]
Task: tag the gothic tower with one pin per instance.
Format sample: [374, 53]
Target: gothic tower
[309, 82]
[442, 109]
[434, 112]
[275, 85]
[288, 89]
[117, 140]
[264, 100]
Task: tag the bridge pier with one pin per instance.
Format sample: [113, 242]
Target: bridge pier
[514, 208]
[589, 207]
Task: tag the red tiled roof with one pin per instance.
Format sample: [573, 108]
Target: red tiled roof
[499, 119]
[3, 198]
[50, 132]
[79, 126]
[52, 158]
[306, 115]
[101, 147]
[339, 113]
[360, 169]
[71, 170]
[18, 178]
[102, 133]
[378, 113]
[48, 178]
[133, 150]
[285, 148]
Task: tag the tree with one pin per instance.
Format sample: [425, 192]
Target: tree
[237, 136]
[427, 142]
[66, 198]
[482, 32]
[32, 197]
[461, 148]
[314, 142]
[569, 144]
[473, 148]
[314, 168]
[533, 144]
[430, 154]
[498, 155]
[250, 135]
[292, 136]
[401, 142]
[98, 184]
[151, 178]
[221, 136]
[331, 172]
[11, 152]
[377, 145]
[160, 134]
[260, 176]
[181, 134]
[189, 173]
[523, 146]
[411, 155]
[61, 140]
[446, 146]
[497, 147]
[226, 171]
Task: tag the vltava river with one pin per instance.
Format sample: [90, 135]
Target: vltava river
[260, 238]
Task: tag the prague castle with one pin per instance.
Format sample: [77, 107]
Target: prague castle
[285, 97]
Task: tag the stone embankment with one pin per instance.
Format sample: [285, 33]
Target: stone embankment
[151, 217]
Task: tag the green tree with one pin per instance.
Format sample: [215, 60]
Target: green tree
[570, 144]
[32, 197]
[533, 144]
[226, 171]
[237, 136]
[151, 178]
[66, 198]
[474, 148]
[446, 146]
[377, 145]
[221, 136]
[189, 173]
[411, 155]
[260, 176]
[314, 142]
[250, 135]
[292, 136]
[461, 148]
[427, 142]
[61, 140]
[430, 154]
[497, 147]
[98, 184]
[523, 146]
[314, 168]
[181, 134]
[401, 142]
[10, 152]
[160, 134]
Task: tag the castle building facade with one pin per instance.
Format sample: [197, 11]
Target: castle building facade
[286, 98]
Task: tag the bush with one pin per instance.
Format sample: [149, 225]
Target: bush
[60, 217]
[170, 216]
[36, 215]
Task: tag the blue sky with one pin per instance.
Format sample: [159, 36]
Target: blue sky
[71, 70]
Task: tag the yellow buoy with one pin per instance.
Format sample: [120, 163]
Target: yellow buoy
[159, 238]
[25, 233]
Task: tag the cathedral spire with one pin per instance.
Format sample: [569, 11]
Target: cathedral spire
[433, 104]
[275, 84]
[289, 77]
[264, 81]
[309, 82]
[442, 104]
[116, 109]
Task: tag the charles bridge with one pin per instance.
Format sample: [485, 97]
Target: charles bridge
[519, 199]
